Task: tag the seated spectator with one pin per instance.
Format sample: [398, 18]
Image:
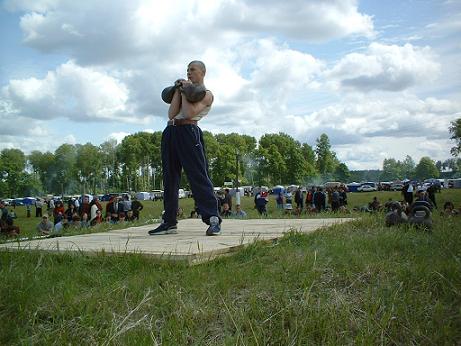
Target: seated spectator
[76, 220]
[12, 214]
[193, 214]
[239, 213]
[84, 222]
[449, 209]
[226, 212]
[129, 216]
[6, 222]
[45, 227]
[136, 206]
[261, 201]
[180, 213]
[95, 211]
[122, 217]
[58, 228]
[422, 200]
[97, 219]
[69, 212]
[58, 212]
[375, 205]
[389, 205]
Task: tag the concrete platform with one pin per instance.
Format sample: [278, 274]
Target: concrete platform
[189, 244]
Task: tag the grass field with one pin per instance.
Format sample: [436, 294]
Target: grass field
[356, 283]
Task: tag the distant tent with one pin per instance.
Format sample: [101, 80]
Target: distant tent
[29, 200]
[277, 189]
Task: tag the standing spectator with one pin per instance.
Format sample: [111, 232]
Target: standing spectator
[45, 227]
[431, 194]
[299, 199]
[227, 199]
[38, 208]
[310, 198]
[115, 209]
[335, 200]
[85, 206]
[136, 207]
[76, 204]
[342, 197]
[279, 200]
[407, 192]
[319, 199]
[50, 207]
[126, 204]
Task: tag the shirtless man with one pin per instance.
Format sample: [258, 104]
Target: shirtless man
[183, 147]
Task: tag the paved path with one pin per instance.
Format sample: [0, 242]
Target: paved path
[190, 243]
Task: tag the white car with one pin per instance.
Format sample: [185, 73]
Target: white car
[367, 188]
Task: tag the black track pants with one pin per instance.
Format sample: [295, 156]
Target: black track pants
[182, 147]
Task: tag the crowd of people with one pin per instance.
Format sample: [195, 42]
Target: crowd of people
[85, 213]
[312, 200]
[413, 196]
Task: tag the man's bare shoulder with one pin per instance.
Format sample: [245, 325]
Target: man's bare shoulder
[209, 98]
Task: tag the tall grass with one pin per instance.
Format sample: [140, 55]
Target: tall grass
[355, 283]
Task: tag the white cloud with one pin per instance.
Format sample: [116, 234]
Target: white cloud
[72, 92]
[385, 67]
[133, 29]
[118, 136]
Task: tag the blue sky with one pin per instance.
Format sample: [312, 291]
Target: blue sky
[380, 78]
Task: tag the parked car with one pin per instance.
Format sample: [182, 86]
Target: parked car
[156, 195]
[397, 187]
[366, 188]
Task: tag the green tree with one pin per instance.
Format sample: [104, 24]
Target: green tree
[89, 166]
[43, 167]
[392, 170]
[455, 130]
[426, 169]
[326, 158]
[408, 167]
[65, 160]
[12, 165]
[293, 167]
[309, 161]
[342, 173]
[110, 165]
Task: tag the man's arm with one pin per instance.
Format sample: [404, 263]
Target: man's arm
[190, 110]
[175, 105]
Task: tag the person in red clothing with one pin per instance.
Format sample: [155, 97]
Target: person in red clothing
[58, 212]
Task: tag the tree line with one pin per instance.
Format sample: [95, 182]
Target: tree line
[135, 164]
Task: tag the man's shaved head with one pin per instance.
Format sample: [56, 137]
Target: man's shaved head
[200, 64]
